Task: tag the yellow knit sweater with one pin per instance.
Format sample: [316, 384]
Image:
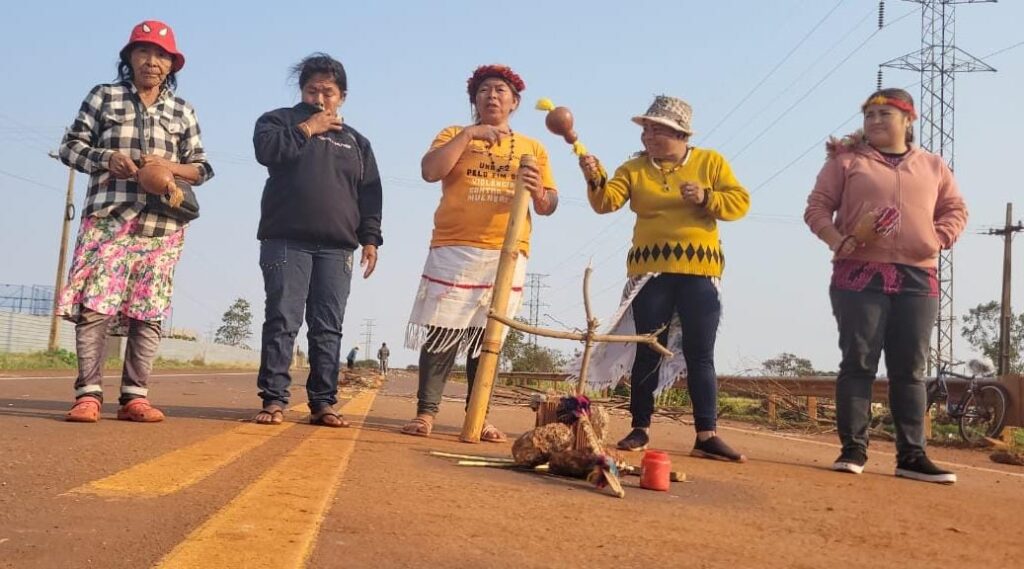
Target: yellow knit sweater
[672, 235]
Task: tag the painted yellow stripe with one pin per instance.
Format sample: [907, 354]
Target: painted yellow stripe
[181, 468]
[274, 521]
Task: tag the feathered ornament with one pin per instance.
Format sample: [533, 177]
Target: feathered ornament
[560, 122]
[571, 408]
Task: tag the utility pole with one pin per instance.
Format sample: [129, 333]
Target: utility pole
[69, 214]
[1005, 315]
[368, 324]
[938, 61]
[533, 304]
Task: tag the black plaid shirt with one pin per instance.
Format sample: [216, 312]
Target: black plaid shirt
[106, 123]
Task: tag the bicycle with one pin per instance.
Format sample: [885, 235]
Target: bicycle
[981, 411]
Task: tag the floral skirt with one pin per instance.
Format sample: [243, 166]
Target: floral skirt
[115, 271]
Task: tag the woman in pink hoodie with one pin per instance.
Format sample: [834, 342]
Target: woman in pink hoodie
[885, 208]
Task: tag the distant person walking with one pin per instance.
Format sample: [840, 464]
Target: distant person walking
[382, 357]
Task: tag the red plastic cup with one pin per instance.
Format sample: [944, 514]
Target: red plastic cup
[655, 471]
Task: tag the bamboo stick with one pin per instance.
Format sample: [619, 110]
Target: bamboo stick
[476, 411]
[471, 457]
[487, 463]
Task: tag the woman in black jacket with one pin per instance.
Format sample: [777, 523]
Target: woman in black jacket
[321, 201]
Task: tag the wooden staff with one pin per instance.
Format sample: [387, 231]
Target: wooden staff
[490, 351]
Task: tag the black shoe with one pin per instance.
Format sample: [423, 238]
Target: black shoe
[851, 461]
[919, 467]
[636, 440]
[716, 449]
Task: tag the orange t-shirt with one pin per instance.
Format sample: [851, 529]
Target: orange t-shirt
[476, 196]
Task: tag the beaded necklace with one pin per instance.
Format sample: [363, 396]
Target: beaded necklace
[665, 174]
[511, 154]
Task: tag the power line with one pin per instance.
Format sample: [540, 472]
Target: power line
[813, 88]
[30, 181]
[804, 73]
[1005, 49]
[773, 69]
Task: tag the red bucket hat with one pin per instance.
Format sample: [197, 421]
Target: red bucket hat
[156, 33]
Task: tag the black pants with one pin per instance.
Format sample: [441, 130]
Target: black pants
[435, 367]
[870, 322]
[695, 299]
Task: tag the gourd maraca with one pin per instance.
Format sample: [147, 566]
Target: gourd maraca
[559, 121]
[157, 179]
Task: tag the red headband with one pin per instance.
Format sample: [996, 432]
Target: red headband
[502, 72]
[892, 102]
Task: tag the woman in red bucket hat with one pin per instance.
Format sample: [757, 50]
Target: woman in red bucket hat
[156, 33]
[128, 243]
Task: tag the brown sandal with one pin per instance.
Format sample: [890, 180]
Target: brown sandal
[491, 434]
[269, 415]
[328, 417]
[420, 426]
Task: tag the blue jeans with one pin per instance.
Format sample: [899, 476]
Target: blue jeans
[695, 299]
[302, 276]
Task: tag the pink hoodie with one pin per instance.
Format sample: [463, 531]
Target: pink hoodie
[856, 179]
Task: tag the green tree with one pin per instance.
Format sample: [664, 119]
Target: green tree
[538, 358]
[513, 347]
[980, 327]
[236, 324]
[788, 365]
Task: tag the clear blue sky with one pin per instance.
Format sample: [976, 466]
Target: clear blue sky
[407, 63]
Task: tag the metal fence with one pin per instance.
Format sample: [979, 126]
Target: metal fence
[26, 299]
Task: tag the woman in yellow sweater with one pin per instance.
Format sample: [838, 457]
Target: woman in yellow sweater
[679, 194]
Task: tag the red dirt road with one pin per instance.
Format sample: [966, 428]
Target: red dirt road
[214, 491]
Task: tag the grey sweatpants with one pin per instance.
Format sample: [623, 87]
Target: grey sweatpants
[91, 348]
[869, 323]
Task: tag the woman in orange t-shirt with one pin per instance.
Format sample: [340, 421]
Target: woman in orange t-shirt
[477, 166]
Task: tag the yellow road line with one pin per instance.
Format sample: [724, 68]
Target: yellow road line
[275, 520]
[181, 468]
